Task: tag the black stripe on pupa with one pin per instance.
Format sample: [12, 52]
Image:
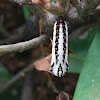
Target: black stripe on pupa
[52, 67]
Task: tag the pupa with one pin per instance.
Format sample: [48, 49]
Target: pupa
[59, 60]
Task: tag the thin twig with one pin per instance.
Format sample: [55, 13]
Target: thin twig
[52, 84]
[77, 57]
[16, 77]
[28, 86]
[22, 46]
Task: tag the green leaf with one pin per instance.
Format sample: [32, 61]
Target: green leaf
[88, 87]
[4, 74]
[80, 47]
[25, 11]
[12, 93]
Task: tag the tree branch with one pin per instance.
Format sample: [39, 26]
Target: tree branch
[77, 5]
[74, 21]
[91, 5]
[57, 8]
[20, 47]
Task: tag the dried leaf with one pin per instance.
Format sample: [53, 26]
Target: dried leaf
[64, 96]
[43, 64]
[40, 2]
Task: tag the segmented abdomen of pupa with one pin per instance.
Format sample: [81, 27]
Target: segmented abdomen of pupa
[59, 60]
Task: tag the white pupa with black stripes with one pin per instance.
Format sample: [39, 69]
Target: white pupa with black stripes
[59, 61]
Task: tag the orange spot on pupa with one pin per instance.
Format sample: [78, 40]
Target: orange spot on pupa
[56, 59]
[64, 48]
[56, 42]
[57, 30]
[64, 42]
[64, 36]
[56, 54]
[56, 36]
[56, 48]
